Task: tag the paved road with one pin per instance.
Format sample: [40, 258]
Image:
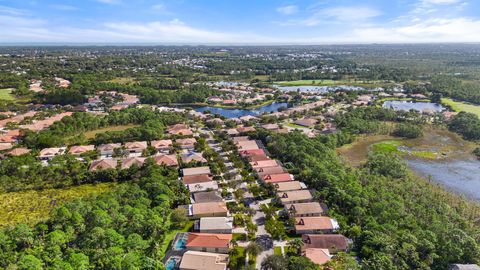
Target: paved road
[264, 239]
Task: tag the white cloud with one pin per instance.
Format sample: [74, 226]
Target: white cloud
[441, 2]
[335, 15]
[12, 11]
[64, 7]
[288, 10]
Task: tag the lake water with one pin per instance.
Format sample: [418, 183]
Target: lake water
[235, 113]
[461, 176]
[399, 105]
[318, 89]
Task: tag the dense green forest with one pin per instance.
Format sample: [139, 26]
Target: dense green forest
[396, 220]
[122, 229]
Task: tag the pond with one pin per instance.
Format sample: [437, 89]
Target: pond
[401, 105]
[235, 113]
[461, 176]
[318, 89]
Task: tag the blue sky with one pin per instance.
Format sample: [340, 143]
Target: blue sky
[239, 21]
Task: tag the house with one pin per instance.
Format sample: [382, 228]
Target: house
[248, 118]
[209, 242]
[7, 139]
[103, 164]
[5, 146]
[229, 102]
[333, 242]
[180, 129]
[315, 225]
[77, 150]
[247, 145]
[464, 267]
[289, 186]
[306, 122]
[207, 196]
[136, 148]
[199, 178]
[317, 255]
[232, 132]
[193, 157]
[295, 196]
[205, 186]
[195, 260]
[216, 225]
[245, 129]
[262, 171]
[310, 209]
[162, 145]
[253, 158]
[240, 139]
[167, 160]
[196, 171]
[108, 149]
[277, 178]
[19, 151]
[265, 163]
[187, 143]
[131, 161]
[49, 153]
[251, 152]
[209, 209]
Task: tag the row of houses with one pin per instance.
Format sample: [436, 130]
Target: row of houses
[311, 220]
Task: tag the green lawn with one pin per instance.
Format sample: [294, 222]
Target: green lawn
[387, 146]
[6, 94]
[33, 206]
[462, 106]
[293, 125]
[277, 251]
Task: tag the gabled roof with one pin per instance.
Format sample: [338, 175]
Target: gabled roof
[108, 147]
[332, 242]
[196, 170]
[209, 240]
[186, 141]
[192, 156]
[136, 145]
[315, 223]
[102, 164]
[207, 196]
[168, 160]
[198, 178]
[19, 151]
[50, 151]
[209, 208]
[294, 195]
[80, 149]
[265, 163]
[288, 186]
[317, 255]
[215, 223]
[129, 162]
[276, 178]
[261, 171]
[161, 144]
[305, 208]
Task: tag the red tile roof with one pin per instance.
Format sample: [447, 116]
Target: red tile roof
[209, 240]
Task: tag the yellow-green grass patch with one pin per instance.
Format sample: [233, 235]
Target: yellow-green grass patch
[33, 206]
[6, 94]
[462, 106]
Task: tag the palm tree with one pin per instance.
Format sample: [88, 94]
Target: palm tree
[253, 249]
[296, 244]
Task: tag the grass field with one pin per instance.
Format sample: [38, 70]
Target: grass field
[6, 94]
[91, 134]
[462, 106]
[327, 82]
[33, 206]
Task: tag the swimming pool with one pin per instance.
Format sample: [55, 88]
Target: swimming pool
[180, 241]
[171, 264]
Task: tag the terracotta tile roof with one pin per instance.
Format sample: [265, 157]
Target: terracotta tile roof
[47, 152]
[245, 129]
[168, 160]
[261, 171]
[180, 129]
[247, 145]
[19, 151]
[136, 145]
[294, 195]
[186, 142]
[129, 162]
[196, 260]
[196, 170]
[5, 146]
[80, 149]
[251, 152]
[332, 242]
[7, 139]
[199, 178]
[161, 144]
[209, 208]
[240, 139]
[262, 157]
[305, 208]
[276, 178]
[108, 147]
[317, 255]
[209, 240]
[103, 164]
[265, 163]
[314, 223]
[288, 186]
[193, 157]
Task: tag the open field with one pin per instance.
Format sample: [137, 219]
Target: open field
[33, 206]
[122, 80]
[329, 82]
[436, 143]
[462, 106]
[6, 94]
[91, 134]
